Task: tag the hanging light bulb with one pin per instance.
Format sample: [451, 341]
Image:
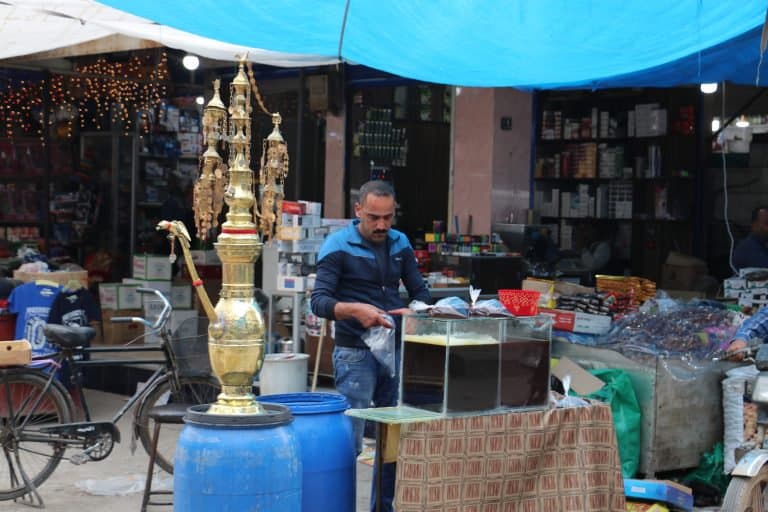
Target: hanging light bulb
[715, 124]
[191, 62]
[742, 122]
[200, 100]
[709, 88]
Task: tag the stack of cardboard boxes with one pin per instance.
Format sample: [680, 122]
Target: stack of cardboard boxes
[122, 299]
[750, 288]
[298, 241]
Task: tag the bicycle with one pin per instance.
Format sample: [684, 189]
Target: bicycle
[37, 411]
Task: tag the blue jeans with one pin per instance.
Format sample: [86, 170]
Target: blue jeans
[365, 383]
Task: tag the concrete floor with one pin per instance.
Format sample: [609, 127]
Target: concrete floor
[61, 493]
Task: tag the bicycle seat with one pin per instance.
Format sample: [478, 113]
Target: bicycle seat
[69, 336]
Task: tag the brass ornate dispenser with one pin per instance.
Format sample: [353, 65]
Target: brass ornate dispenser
[236, 328]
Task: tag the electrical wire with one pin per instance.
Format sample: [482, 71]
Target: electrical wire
[725, 188]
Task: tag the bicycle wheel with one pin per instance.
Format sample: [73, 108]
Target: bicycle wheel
[192, 391]
[25, 407]
[747, 494]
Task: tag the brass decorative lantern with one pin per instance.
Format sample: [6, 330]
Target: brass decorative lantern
[236, 327]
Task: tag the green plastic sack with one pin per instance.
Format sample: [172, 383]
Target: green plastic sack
[710, 471]
[620, 395]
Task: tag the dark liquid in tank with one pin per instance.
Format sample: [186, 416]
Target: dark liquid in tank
[472, 381]
[524, 373]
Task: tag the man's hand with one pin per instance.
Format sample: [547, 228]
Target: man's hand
[368, 316]
[736, 345]
[400, 311]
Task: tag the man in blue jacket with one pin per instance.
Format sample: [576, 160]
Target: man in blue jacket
[358, 275]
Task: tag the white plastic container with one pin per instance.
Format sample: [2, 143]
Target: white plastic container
[283, 373]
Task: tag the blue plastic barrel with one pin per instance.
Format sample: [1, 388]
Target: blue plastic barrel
[327, 449]
[233, 463]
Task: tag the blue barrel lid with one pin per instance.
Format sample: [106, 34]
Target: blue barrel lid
[308, 403]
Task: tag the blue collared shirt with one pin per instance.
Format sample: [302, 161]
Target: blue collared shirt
[754, 327]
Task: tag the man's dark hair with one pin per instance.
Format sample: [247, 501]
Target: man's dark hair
[376, 187]
[756, 212]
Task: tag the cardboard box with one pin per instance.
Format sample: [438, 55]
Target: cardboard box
[181, 296]
[151, 267]
[60, 277]
[582, 382]
[164, 287]
[291, 221]
[312, 208]
[292, 233]
[576, 321]
[128, 297]
[108, 295]
[664, 491]
[15, 353]
[679, 277]
[122, 333]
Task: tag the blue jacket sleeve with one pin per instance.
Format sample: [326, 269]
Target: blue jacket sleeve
[323, 298]
[755, 327]
[414, 283]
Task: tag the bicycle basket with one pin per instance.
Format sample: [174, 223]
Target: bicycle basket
[189, 348]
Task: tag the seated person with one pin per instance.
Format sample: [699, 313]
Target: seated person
[753, 328]
[596, 252]
[753, 250]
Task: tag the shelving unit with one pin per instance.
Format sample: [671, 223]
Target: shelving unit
[626, 158]
[167, 166]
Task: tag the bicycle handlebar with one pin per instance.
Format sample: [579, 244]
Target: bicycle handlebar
[162, 318]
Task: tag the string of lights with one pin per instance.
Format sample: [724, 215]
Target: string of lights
[120, 91]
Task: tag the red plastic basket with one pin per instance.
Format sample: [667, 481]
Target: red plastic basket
[520, 302]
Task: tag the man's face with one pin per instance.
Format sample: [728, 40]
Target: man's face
[760, 226]
[375, 214]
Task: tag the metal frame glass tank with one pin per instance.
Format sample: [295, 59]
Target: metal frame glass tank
[454, 366]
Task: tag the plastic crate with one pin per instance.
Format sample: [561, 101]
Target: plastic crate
[520, 302]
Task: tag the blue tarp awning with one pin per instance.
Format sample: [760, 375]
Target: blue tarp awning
[542, 43]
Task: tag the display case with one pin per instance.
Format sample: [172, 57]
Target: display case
[477, 364]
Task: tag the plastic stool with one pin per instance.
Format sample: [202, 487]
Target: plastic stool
[171, 413]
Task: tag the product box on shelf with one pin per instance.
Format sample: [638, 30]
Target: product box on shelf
[476, 364]
[294, 208]
[299, 245]
[665, 491]
[576, 321]
[291, 283]
[312, 208]
[314, 232]
[151, 267]
[291, 220]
